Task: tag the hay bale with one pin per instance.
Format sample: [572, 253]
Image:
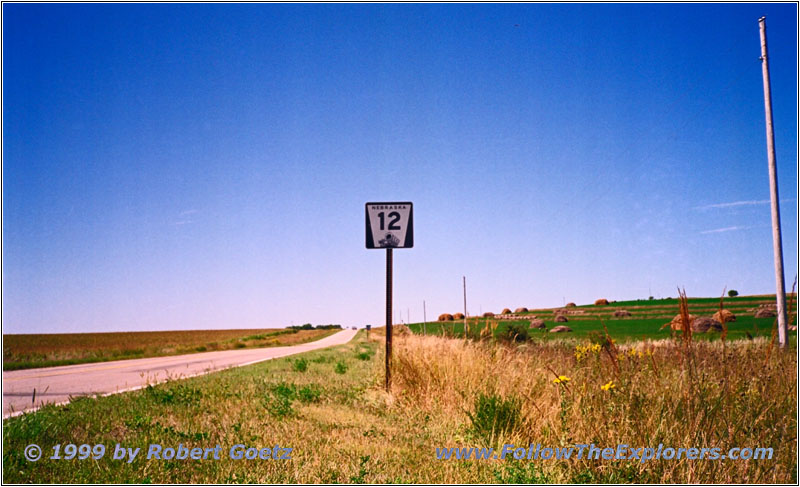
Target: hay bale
[677, 322]
[505, 311]
[601, 302]
[621, 313]
[560, 329]
[537, 323]
[724, 316]
[561, 319]
[764, 313]
[521, 310]
[570, 305]
[488, 314]
[446, 317]
[703, 324]
[458, 316]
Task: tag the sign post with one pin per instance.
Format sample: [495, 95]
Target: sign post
[389, 226]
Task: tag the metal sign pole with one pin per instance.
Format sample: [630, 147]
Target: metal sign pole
[388, 319]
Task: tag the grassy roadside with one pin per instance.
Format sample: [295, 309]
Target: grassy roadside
[319, 403]
[328, 405]
[50, 350]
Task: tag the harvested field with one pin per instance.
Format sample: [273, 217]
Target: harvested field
[47, 350]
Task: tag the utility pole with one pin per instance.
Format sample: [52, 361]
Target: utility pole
[465, 307]
[777, 245]
[425, 318]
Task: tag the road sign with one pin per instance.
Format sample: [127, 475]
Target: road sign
[390, 225]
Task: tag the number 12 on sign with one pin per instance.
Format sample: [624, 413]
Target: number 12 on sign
[390, 225]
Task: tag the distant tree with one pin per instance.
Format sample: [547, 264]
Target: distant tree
[651, 298]
[733, 293]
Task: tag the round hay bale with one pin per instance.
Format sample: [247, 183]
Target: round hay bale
[601, 302]
[764, 313]
[560, 329]
[724, 316]
[705, 323]
[458, 316]
[521, 310]
[677, 322]
[446, 317]
[537, 323]
[488, 314]
[561, 319]
[570, 305]
[621, 313]
[505, 311]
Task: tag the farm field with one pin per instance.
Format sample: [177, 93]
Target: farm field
[330, 407]
[645, 322]
[48, 350]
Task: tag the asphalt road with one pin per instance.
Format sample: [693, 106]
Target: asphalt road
[59, 384]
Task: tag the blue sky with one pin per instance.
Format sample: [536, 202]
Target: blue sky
[175, 166]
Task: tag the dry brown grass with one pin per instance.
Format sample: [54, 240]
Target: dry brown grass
[681, 394]
[724, 398]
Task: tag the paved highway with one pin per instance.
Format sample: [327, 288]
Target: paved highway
[58, 384]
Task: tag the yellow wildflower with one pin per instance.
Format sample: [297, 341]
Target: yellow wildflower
[562, 379]
[608, 386]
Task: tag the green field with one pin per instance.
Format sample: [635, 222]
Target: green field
[645, 323]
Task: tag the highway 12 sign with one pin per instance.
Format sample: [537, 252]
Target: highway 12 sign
[390, 225]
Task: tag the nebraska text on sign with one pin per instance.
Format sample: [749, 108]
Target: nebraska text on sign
[390, 225]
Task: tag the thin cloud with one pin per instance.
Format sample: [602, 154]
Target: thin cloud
[726, 229]
[185, 218]
[735, 204]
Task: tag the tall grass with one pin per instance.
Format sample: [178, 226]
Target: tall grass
[673, 392]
